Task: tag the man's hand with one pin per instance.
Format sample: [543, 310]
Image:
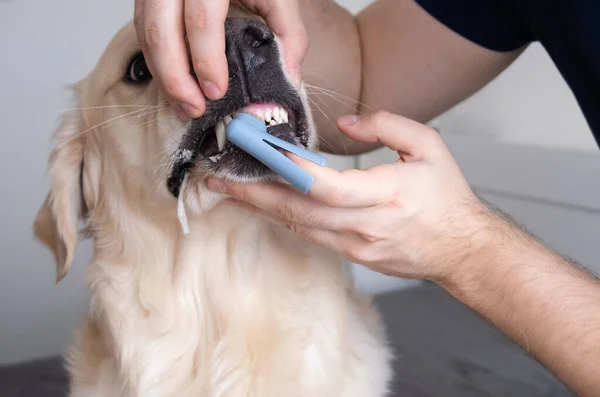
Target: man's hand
[163, 25]
[419, 218]
[414, 218]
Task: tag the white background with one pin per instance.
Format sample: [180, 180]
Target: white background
[526, 114]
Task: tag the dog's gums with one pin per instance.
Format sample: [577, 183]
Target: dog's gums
[271, 114]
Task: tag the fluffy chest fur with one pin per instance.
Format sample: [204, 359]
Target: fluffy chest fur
[247, 311]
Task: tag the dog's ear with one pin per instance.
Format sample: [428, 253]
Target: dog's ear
[56, 224]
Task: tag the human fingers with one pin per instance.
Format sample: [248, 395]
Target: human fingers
[412, 140]
[205, 27]
[160, 30]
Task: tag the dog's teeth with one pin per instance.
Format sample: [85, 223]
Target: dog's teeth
[277, 115]
[284, 115]
[221, 137]
[268, 115]
[257, 115]
[228, 119]
[272, 123]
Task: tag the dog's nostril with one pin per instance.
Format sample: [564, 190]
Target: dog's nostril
[257, 37]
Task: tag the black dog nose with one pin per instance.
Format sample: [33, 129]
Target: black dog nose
[249, 39]
[257, 35]
[256, 71]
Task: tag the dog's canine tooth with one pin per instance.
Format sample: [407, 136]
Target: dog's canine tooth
[221, 135]
[284, 115]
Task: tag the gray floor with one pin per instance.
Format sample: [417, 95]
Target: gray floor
[442, 350]
[445, 350]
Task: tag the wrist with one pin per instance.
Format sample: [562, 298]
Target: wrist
[491, 237]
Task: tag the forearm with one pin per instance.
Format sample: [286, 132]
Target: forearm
[548, 305]
[332, 70]
[393, 56]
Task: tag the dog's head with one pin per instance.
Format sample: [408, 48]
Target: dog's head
[123, 154]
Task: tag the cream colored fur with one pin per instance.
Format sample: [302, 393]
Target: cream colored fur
[239, 307]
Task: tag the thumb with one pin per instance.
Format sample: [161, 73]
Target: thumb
[411, 139]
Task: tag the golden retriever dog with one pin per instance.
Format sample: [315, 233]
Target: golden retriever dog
[236, 307]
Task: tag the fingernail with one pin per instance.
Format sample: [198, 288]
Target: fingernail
[191, 111]
[349, 120]
[210, 89]
[217, 185]
[183, 116]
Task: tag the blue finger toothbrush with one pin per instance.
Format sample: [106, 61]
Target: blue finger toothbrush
[250, 134]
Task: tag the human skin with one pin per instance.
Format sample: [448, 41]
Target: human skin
[418, 218]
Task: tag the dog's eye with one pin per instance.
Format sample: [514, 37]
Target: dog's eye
[137, 71]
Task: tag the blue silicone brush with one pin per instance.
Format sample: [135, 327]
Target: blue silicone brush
[250, 134]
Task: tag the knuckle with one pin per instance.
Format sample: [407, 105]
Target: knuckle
[154, 36]
[348, 252]
[380, 119]
[201, 65]
[302, 232]
[369, 233]
[240, 193]
[173, 85]
[396, 200]
[431, 137]
[291, 226]
[367, 256]
[196, 19]
[355, 253]
[285, 210]
[335, 198]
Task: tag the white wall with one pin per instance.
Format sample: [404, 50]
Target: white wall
[529, 104]
[44, 45]
[354, 6]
